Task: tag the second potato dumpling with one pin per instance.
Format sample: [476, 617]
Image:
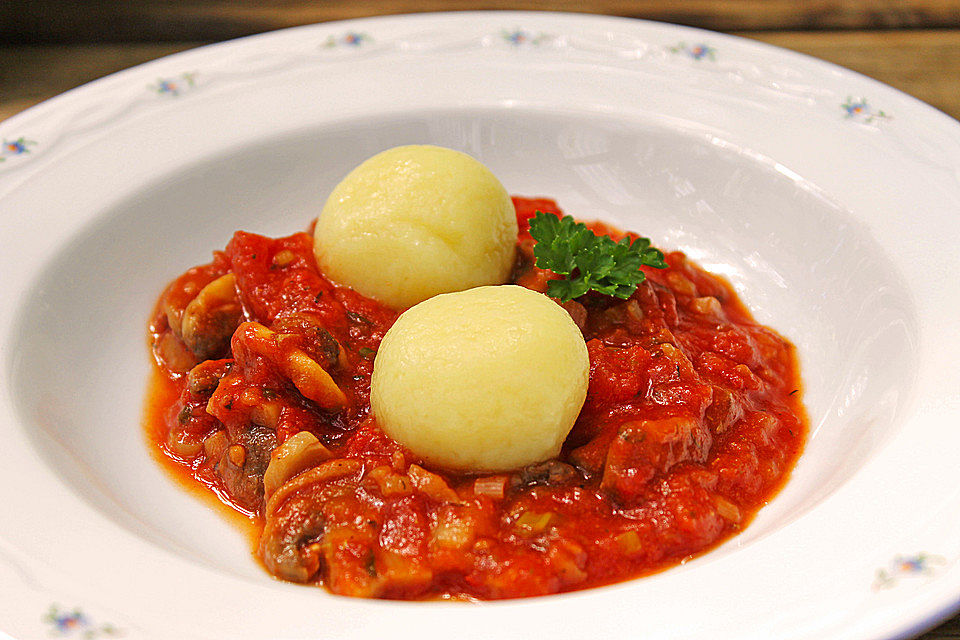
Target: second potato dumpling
[415, 221]
[489, 379]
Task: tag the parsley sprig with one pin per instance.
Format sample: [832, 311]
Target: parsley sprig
[589, 261]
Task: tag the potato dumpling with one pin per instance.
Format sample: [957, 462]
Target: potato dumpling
[489, 379]
[416, 221]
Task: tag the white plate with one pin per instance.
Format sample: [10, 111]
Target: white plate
[829, 200]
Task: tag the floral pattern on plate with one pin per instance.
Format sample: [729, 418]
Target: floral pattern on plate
[74, 623]
[177, 85]
[920, 564]
[518, 37]
[860, 110]
[349, 39]
[696, 51]
[16, 147]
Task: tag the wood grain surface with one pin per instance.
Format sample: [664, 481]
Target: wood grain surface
[52, 46]
[31, 21]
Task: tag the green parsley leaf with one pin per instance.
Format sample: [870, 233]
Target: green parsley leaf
[590, 262]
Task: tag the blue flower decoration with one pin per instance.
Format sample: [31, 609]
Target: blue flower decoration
[515, 37]
[519, 37]
[697, 51]
[349, 39]
[921, 564]
[16, 147]
[175, 86]
[861, 111]
[74, 624]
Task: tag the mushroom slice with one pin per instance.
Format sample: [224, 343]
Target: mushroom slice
[330, 470]
[312, 381]
[299, 453]
[314, 338]
[551, 473]
[173, 354]
[307, 375]
[210, 319]
[295, 522]
[182, 291]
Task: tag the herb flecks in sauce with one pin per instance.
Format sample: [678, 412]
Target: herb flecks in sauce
[692, 423]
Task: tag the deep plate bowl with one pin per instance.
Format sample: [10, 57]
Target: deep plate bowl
[827, 199]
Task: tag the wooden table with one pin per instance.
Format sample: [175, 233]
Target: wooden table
[51, 46]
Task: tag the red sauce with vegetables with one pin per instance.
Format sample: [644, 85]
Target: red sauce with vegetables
[692, 423]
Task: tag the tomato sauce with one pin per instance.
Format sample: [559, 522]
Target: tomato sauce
[692, 423]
